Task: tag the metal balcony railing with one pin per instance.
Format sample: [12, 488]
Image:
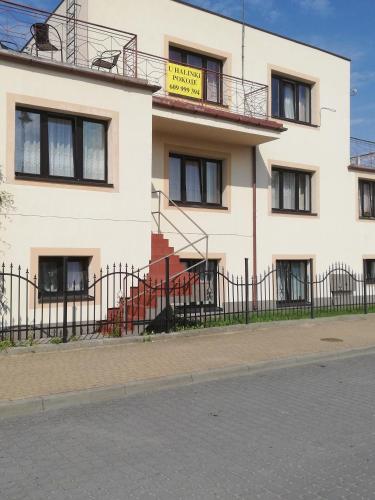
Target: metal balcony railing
[362, 153]
[66, 38]
[211, 89]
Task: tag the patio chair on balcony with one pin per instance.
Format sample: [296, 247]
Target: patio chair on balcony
[107, 60]
[42, 42]
[8, 45]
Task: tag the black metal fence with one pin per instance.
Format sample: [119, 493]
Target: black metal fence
[120, 302]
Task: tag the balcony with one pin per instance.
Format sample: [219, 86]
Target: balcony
[66, 39]
[362, 155]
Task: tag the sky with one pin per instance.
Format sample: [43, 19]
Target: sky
[342, 26]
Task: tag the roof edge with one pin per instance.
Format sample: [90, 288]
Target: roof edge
[228, 18]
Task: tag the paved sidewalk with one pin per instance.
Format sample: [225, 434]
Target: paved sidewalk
[57, 371]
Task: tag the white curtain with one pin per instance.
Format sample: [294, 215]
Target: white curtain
[366, 199]
[298, 280]
[75, 276]
[193, 182]
[304, 103]
[93, 151]
[289, 190]
[175, 179]
[275, 189]
[212, 174]
[289, 111]
[27, 142]
[60, 143]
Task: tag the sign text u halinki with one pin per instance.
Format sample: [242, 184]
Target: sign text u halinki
[184, 80]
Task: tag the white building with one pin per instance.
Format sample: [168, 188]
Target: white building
[176, 127]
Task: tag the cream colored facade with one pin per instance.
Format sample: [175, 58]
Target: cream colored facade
[116, 221]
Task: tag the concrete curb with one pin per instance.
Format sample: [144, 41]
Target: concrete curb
[251, 327]
[41, 404]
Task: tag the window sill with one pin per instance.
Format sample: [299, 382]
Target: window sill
[297, 122]
[198, 205]
[293, 212]
[60, 180]
[362, 217]
[70, 299]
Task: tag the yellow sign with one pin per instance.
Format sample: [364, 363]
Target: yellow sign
[184, 80]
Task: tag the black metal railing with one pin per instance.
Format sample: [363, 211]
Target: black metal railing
[219, 91]
[120, 301]
[66, 38]
[362, 153]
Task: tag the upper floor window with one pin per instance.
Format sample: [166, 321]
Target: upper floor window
[367, 199]
[55, 146]
[195, 181]
[291, 100]
[213, 69]
[291, 190]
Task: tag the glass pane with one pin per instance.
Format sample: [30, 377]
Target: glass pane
[282, 276]
[304, 103]
[298, 280]
[175, 178]
[213, 81]
[289, 107]
[60, 144]
[275, 189]
[371, 269]
[304, 192]
[289, 190]
[175, 55]
[213, 182]
[275, 97]
[308, 192]
[76, 278]
[49, 270]
[366, 201]
[94, 151]
[27, 142]
[193, 181]
[194, 60]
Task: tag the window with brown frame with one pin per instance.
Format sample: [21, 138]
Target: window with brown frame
[291, 99]
[195, 181]
[291, 190]
[366, 199]
[213, 71]
[54, 146]
[54, 271]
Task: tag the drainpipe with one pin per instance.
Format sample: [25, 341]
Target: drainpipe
[254, 176]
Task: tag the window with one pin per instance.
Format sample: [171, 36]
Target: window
[291, 100]
[195, 181]
[291, 190]
[213, 69]
[369, 267]
[367, 199]
[54, 146]
[205, 292]
[292, 281]
[53, 270]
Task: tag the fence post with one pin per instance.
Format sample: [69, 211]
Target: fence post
[246, 290]
[311, 289]
[65, 305]
[167, 296]
[364, 288]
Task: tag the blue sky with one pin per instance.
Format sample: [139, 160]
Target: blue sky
[342, 26]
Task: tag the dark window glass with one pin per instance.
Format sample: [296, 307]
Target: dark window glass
[52, 271]
[291, 100]
[291, 190]
[370, 270]
[366, 199]
[195, 181]
[64, 147]
[292, 281]
[213, 69]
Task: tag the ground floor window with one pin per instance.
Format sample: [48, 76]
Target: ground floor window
[205, 291]
[55, 271]
[292, 281]
[369, 267]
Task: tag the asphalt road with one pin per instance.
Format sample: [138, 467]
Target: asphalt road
[292, 433]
